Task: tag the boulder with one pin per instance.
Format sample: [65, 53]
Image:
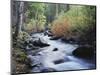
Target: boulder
[40, 43]
[64, 39]
[31, 47]
[59, 61]
[55, 38]
[55, 49]
[49, 33]
[48, 70]
[34, 60]
[70, 40]
[84, 52]
[35, 43]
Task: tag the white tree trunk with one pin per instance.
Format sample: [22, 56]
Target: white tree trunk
[56, 10]
[21, 10]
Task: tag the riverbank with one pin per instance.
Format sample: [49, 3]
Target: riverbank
[41, 54]
[48, 59]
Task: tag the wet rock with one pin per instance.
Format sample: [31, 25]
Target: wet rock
[40, 43]
[34, 60]
[48, 70]
[55, 38]
[64, 40]
[59, 61]
[26, 43]
[36, 69]
[84, 52]
[31, 47]
[55, 49]
[49, 33]
[70, 40]
[35, 43]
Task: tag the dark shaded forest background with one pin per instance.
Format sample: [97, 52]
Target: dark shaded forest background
[70, 22]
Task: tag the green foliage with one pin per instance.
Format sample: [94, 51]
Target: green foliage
[20, 55]
[22, 37]
[41, 21]
[80, 16]
[20, 60]
[81, 20]
[30, 26]
[33, 8]
[36, 17]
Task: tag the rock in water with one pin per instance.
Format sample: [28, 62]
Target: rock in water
[48, 70]
[84, 52]
[55, 49]
[34, 60]
[59, 61]
[55, 38]
[40, 43]
[49, 33]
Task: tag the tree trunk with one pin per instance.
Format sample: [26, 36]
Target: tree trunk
[16, 18]
[21, 10]
[17, 11]
[67, 8]
[36, 19]
[56, 10]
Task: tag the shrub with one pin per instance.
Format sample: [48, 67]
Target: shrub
[59, 27]
[20, 61]
[82, 18]
[30, 26]
[22, 37]
[78, 22]
[20, 56]
[35, 25]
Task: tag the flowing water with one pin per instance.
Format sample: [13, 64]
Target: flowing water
[57, 60]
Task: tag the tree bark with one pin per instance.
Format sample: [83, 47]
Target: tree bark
[56, 10]
[36, 19]
[18, 13]
[21, 10]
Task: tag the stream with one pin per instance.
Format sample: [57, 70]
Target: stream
[57, 57]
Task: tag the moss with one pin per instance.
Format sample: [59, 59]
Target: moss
[19, 55]
[22, 37]
[20, 59]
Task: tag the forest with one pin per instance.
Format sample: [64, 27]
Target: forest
[43, 31]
